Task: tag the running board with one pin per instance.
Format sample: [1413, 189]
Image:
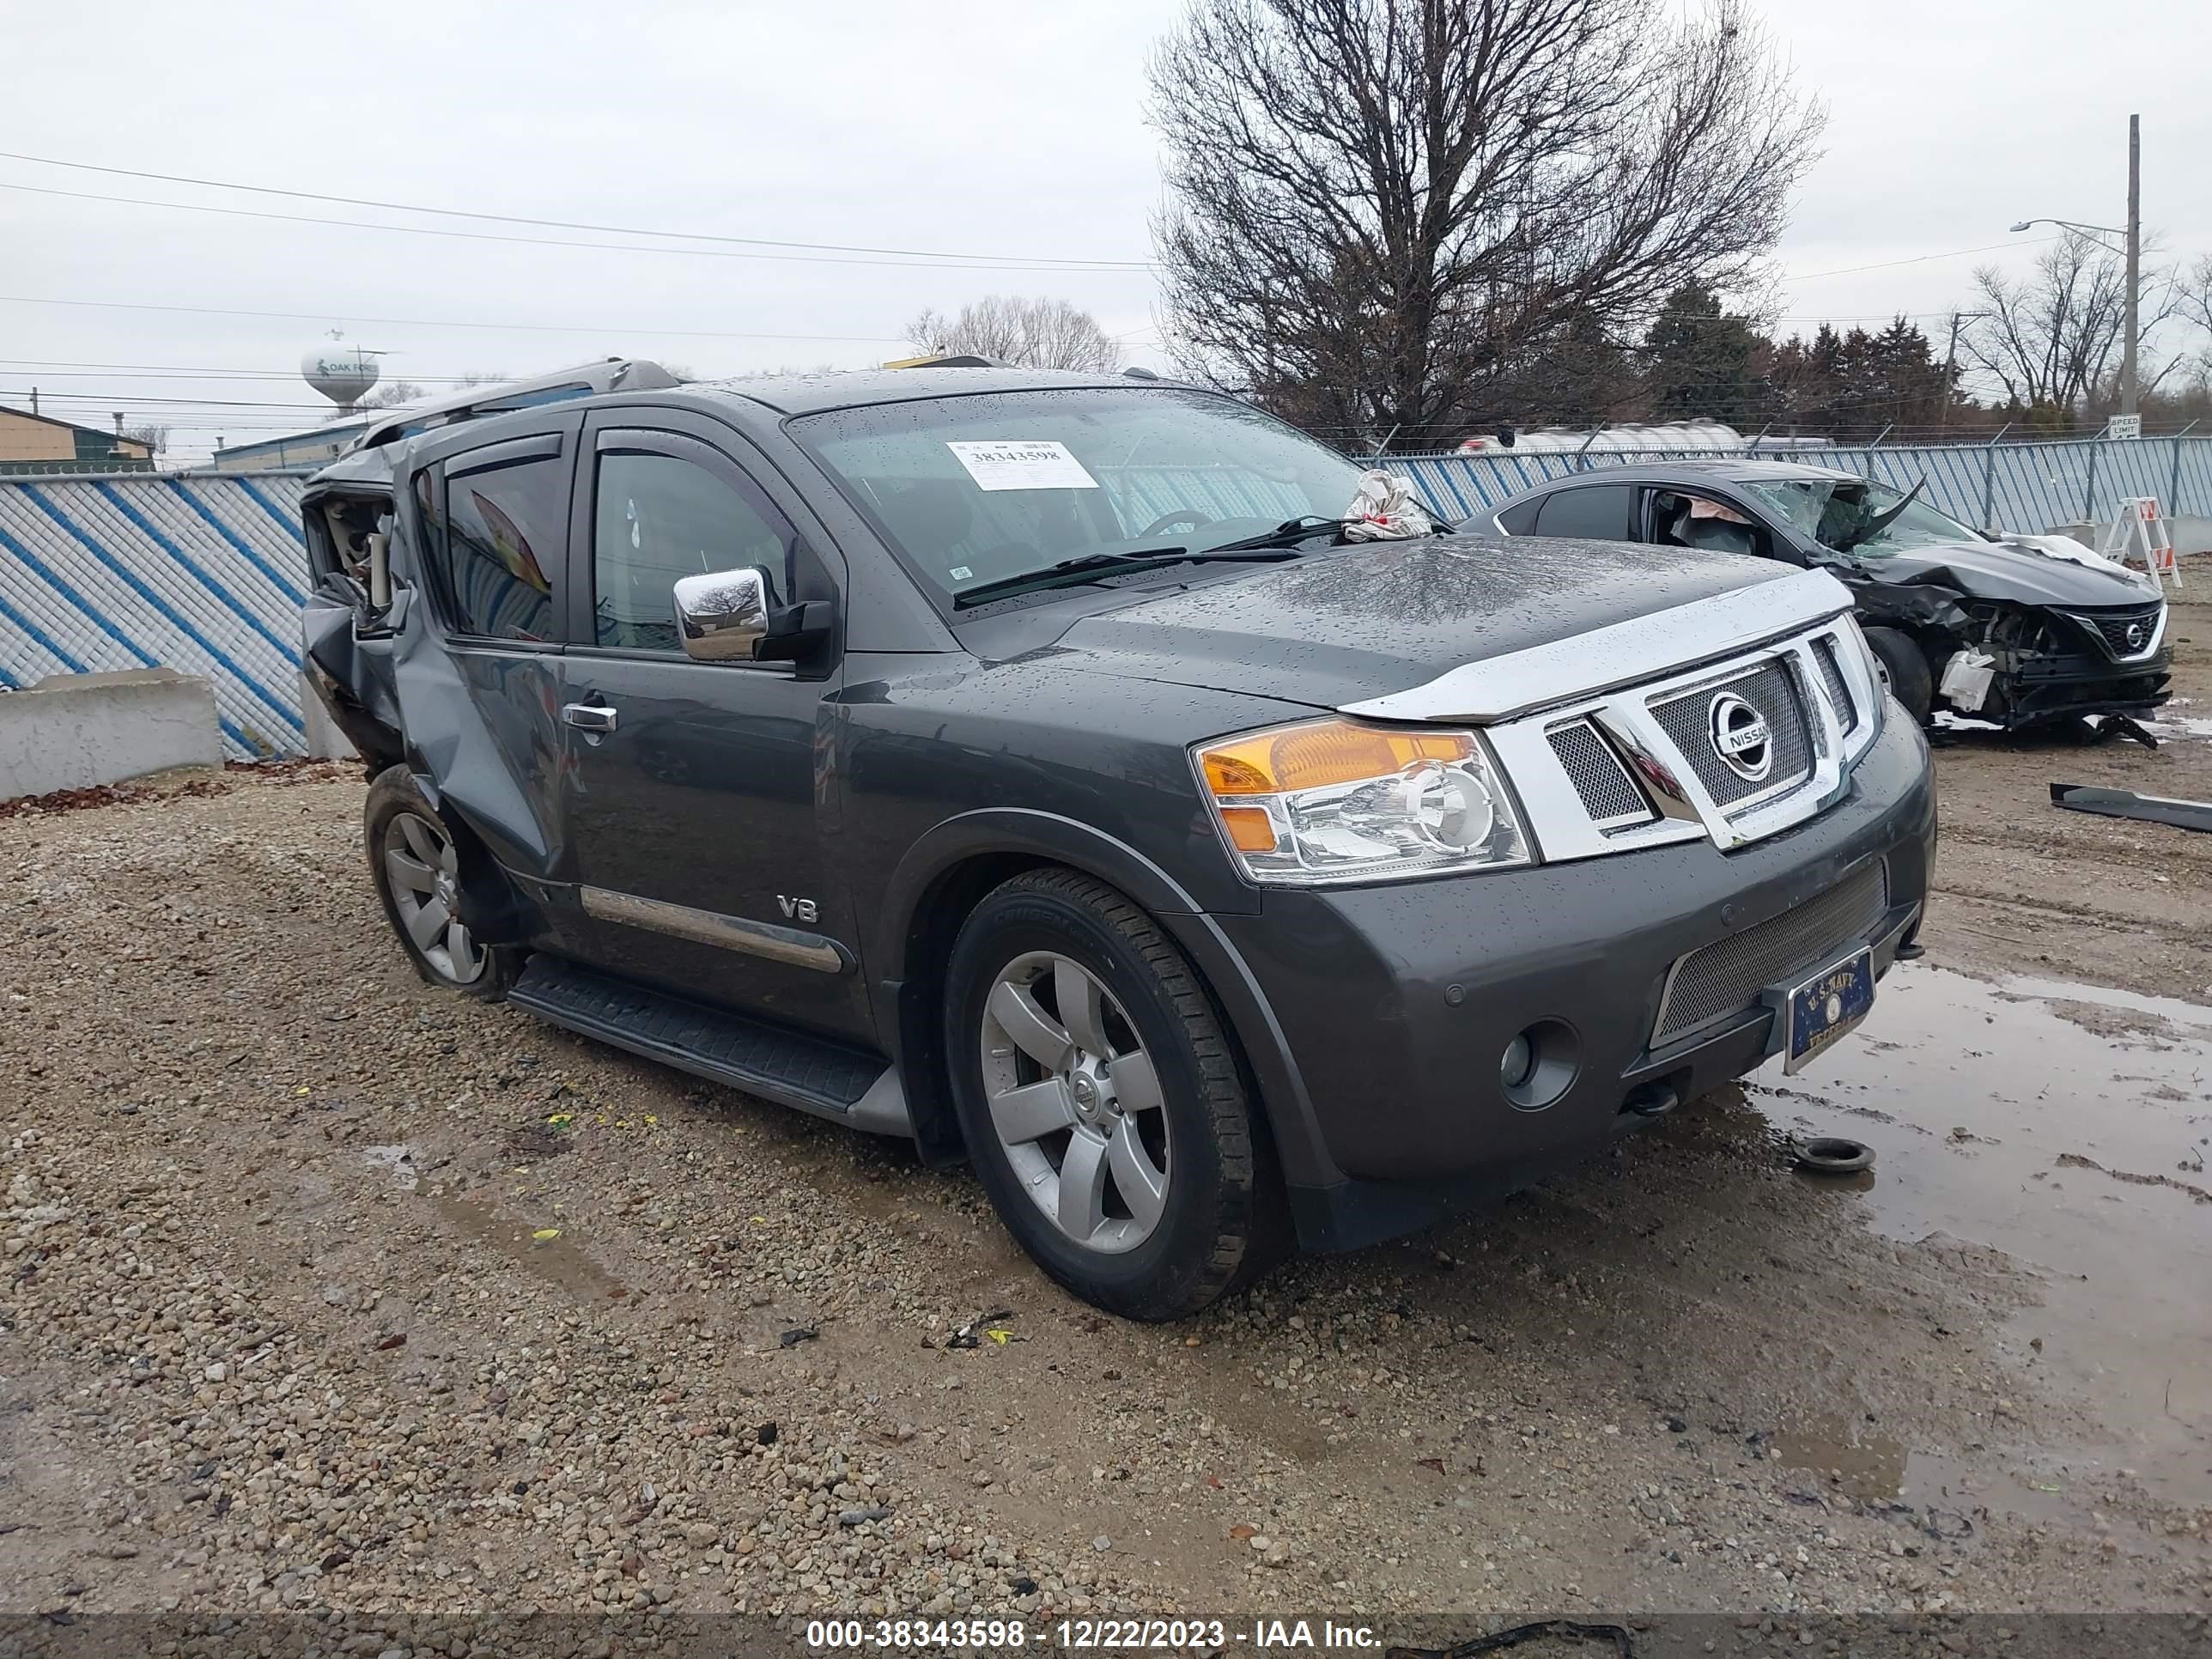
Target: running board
[789, 1067]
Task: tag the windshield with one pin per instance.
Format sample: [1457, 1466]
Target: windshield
[1832, 511]
[976, 489]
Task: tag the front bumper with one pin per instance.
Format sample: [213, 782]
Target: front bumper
[1383, 1011]
[2030, 687]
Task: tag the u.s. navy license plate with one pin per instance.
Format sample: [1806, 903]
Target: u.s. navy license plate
[1827, 1006]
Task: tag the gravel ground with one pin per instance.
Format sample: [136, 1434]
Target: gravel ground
[326, 1290]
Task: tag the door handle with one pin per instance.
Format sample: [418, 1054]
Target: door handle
[587, 716]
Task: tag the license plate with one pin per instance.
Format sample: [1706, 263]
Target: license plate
[1827, 1007]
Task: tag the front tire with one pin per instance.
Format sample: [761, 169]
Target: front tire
[1101, 1101]
[1904, 670]
[418, 867]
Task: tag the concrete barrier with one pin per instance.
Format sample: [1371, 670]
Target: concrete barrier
[76, 730]
[2188, 533]
[323, 739]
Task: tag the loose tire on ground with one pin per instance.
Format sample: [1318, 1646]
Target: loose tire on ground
[1066, 1001]
[418, 865]
[1905, 665]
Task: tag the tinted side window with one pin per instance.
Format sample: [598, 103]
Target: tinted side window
[1600, 511]
[504, 528]
[1521, 521]
[660, 517]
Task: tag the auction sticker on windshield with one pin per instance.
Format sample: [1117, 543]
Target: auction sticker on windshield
[1021, 463]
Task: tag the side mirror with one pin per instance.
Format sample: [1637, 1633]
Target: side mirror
[722, 616]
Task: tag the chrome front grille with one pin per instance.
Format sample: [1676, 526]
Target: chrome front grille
[1608, 793]
[1832, 677]
[1726, 977]
[1640, 764]
[1688, 721]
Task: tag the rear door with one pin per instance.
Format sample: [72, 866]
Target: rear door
[491, 526]
[698, 794]
[1590, 511]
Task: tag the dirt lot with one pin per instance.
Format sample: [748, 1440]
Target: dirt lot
[326, 1290]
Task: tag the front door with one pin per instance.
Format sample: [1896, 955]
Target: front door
[698, 795]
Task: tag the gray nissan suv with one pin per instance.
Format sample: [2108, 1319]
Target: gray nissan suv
[1034, 766]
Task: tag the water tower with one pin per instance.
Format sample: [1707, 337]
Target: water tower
[343, 373]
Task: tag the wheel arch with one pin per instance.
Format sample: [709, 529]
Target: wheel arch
[943, 877]
[497, 912]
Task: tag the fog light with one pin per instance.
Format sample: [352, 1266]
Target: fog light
[1539, 1065]
[1517, 1063]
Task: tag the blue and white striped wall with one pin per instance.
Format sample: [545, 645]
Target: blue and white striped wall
[2030, 487]
[205, 573]
[202, 575]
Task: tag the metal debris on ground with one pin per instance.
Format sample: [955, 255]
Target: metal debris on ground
[792, 1339]
[2126, 804]
[972, 1332]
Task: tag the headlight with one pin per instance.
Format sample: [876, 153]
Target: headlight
[1331, 801]
[1876, 676]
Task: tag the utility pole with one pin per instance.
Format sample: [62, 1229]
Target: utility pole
[2129, 404]
[1950, 371]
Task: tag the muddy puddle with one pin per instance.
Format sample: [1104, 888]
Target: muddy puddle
[545, 1252]
[2181, 718]
[558, 1258]
[2068, 1126]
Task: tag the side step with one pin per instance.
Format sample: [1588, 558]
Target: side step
[789, 1067]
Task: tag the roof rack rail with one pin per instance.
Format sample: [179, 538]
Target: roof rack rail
[503, 397]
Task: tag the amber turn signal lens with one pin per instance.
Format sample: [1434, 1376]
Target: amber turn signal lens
[1250, 829]
[1323, 753]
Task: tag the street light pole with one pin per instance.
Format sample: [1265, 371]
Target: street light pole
[2128, 389]
[2130, 402]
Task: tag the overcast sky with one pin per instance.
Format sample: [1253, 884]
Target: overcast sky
[1012, 131]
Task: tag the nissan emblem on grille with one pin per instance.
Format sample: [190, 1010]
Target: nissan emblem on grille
[2136, 634]
[1741, 736]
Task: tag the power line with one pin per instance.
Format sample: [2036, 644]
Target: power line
[1919, 259]
[188, 403]
[917, 264]
[65, 370]
[562, 224]
[324, 317]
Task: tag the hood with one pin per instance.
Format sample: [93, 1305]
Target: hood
[2018, 570]
[1364, 622]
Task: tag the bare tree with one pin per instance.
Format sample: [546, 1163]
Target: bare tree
[1036, 333]
[392, 394]
[2052, 339]
[1394, 213]
[2193, 295]
[155, 438]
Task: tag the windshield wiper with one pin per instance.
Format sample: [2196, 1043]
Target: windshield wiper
[1289, 534]
[1091, 566]
[1873, 527]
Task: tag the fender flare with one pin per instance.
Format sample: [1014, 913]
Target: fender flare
[1048, 837]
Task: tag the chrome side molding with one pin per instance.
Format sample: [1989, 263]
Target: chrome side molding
[754, 938]
[1667, 643]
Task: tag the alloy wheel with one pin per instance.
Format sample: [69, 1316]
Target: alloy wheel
[1075, 1102]
[424, 873]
